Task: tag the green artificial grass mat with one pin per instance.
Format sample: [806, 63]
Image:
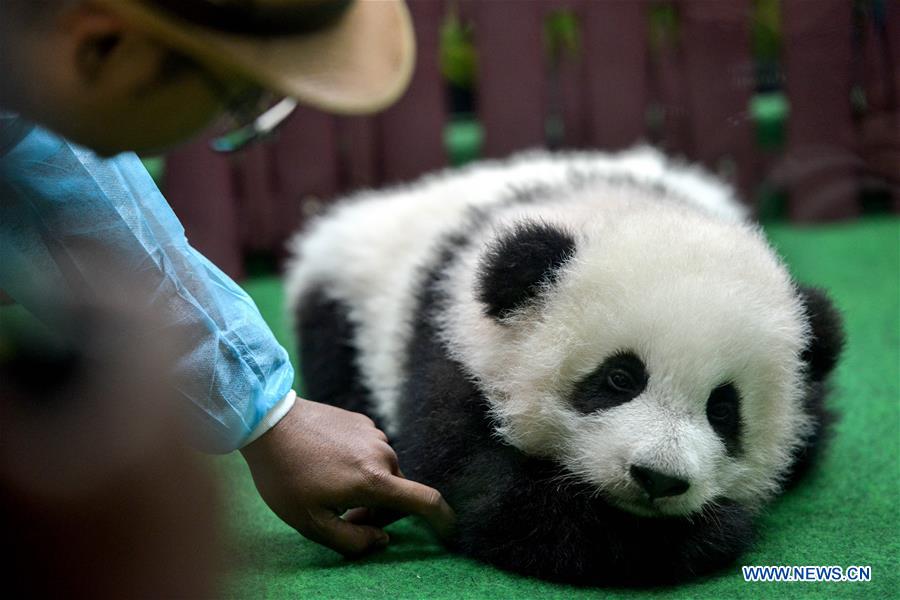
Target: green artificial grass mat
[845, 513]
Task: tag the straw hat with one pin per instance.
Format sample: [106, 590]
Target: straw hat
[342, 56]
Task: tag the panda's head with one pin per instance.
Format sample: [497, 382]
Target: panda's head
[660, 356]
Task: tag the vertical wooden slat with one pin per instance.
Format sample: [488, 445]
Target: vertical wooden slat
[411, 131]
[821, 164]
[669, 86]
[198, 187]
[357, 147]
[571, 77]
[720, 80]
[511, 68]
[616, 55]
[880, 126]
[567, 77]
[892, 37]
[255, 197]
[304, 171]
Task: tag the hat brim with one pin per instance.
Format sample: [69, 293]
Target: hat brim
[361, 64]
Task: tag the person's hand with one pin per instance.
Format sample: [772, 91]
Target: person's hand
[319, 461]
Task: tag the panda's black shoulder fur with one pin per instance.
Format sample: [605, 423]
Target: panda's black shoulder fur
[827, 339]
[515, 511]
[328, 366]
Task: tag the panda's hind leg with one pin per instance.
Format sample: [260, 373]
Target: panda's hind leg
[328, 365]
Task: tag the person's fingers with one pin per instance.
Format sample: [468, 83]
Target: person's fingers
[359, 515]
[348, 538]
[376, 517]
[365, 420]
[399, 494]
[389, 458]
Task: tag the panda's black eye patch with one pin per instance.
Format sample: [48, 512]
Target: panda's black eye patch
[620, 378]
[723, 414]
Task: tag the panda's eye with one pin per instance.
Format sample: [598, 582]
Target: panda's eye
[722, 404]
[723, 413]
[621, 381]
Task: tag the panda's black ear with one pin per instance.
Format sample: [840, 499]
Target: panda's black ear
[519, 263]
[827, 340]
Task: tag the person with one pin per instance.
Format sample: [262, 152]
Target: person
[87, 80]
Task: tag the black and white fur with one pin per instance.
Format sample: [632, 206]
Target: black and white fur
[599, 362]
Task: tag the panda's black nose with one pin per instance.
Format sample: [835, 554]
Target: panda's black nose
[656, 484]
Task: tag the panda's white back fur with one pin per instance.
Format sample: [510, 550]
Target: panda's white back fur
[369, 253]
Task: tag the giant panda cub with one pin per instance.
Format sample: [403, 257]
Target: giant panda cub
[596, 358]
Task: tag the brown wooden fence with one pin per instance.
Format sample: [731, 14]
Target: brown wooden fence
[687, 89]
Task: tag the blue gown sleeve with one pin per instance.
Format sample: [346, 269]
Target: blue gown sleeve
[73, 225]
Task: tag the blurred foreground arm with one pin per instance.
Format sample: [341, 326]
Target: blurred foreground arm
[76, 229]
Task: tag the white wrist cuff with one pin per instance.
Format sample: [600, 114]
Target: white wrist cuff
[272, 417]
